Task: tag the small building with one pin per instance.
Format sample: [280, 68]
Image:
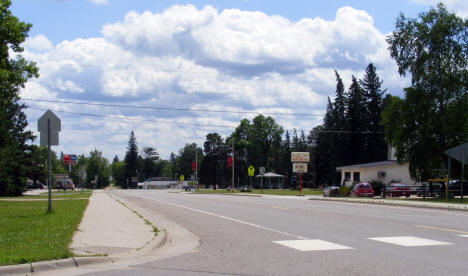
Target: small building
[383, 171]
[270, 181]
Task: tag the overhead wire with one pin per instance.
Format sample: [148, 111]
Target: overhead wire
[184, 123]
[171, 108]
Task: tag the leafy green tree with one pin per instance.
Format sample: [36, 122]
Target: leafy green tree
[185, 158]
[14, 73]
[215, 154]
[37, 167]
[131, 161]
[433, 49]
[149, 166]
[118, 173]
[97, 165]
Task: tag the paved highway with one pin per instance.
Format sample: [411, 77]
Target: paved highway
[244, 235]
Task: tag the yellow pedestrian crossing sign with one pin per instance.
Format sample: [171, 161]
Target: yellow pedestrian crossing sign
[251, 170]
[182, 177]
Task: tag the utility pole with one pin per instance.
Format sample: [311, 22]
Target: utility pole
[196, 164]
[233, 182]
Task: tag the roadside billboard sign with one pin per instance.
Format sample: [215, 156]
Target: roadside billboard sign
[69, 159]
[300, 157]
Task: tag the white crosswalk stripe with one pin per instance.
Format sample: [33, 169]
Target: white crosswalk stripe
[409, 241]
[312, 245]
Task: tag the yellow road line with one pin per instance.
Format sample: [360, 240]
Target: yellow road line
[442, 229]
[281, 208]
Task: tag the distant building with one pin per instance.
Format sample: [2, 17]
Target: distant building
[383, 171]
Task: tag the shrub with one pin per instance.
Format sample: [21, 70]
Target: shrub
[344, 190]
[377, 187]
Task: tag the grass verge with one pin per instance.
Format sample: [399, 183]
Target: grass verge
[29, 234]
[265, 191]
[54, 196]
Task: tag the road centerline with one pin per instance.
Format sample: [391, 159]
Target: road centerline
[441, 229]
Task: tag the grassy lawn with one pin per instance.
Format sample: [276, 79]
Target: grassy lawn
[265, 191]
[441, 200]
[67, 195]
[29, 234]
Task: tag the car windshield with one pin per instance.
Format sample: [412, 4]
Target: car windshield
[365, 185]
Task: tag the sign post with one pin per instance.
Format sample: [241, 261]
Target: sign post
[300, 160]
[251, 171]
[49, 125]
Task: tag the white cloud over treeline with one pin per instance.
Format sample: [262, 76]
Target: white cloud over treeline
[207, 59]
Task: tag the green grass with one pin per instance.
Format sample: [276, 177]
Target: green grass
[28, 233]
[441, 200]
[54, 196]
[265, 191]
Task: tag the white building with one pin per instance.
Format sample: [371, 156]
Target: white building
[383, 171]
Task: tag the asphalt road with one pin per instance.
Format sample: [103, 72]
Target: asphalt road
[242, 235]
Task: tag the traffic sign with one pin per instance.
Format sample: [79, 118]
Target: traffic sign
[49, 122]
[181, 177]
[251, 170]
[261, 170]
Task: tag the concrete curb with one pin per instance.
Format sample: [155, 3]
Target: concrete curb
[429, 205]
[238, 194]
[38, 267]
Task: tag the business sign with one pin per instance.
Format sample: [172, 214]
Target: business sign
[300, 157]
[69, 159]
[300, 167]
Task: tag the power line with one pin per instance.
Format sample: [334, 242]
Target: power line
[191, 124]
[131, 119]
[171, 108]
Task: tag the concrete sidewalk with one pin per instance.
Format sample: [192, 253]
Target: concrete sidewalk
[108, 228]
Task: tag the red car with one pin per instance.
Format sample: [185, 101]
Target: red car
[362, 189]
[397, 189]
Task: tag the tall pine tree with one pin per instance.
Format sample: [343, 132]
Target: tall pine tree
[375, 140]
[14, 73]
[131, 160]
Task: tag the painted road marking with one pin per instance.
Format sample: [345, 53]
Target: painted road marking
[230, 219]
[280, 208]
[442, 229]
[409, 241]
[465, 236]
[312, 245]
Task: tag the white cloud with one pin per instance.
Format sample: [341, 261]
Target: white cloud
[100, 2]
[38, 43]
[186, 57]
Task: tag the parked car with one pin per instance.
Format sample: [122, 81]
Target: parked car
[397, 189]
[454, 188]
[429, 189]
[330, 191]
[38, 185]
[67, 185]
[362, 189]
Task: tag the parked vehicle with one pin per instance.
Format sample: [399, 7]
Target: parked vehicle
[67, 185]
[454, 188]
[362, 189]
[397, 189]
[429, 189]
[330, 191]
[38, 185]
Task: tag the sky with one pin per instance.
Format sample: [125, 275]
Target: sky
[174, 71]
